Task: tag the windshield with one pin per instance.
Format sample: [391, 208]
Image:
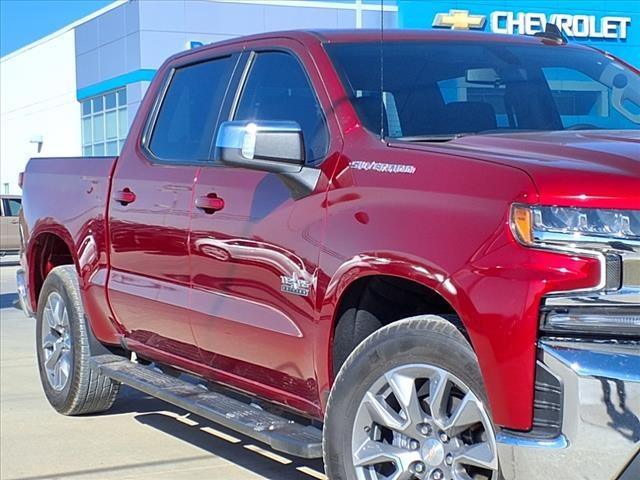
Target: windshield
[436, 90]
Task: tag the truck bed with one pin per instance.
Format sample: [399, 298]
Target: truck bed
[67, 197]
[67, 191]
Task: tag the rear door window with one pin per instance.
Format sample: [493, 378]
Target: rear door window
[190, 109]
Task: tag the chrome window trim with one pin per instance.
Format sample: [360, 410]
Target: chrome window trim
[242, 81]
[150, 124]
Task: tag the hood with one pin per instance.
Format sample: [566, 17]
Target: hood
[594, 168]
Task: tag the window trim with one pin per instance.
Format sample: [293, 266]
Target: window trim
[253, 54]
[241, 86]
[152, 117]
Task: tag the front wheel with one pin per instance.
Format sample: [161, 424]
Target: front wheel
[409, 404]
[62, 337]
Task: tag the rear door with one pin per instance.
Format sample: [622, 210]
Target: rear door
[251, 326]
[152, 197]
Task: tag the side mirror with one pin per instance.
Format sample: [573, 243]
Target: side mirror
[275, 146]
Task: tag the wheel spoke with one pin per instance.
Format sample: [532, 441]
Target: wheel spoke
[52, 361]
[56, 376]
[468, 413]
[48, 316]
[438, 387]
[381, 412]
[479, 455]
[404, 389]
[57, 304]
[374, 453]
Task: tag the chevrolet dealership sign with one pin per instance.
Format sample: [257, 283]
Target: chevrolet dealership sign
[529, 23]
[611, 25]
[459, 20]
[578, 26]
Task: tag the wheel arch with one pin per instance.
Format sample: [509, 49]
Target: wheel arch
[47, 249]
[349, 286]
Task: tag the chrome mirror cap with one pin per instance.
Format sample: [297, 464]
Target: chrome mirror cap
[275, 146]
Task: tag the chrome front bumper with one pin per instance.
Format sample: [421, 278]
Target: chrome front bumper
[600, 415]
[23, 296]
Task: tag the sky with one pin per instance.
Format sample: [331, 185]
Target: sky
[24, 21]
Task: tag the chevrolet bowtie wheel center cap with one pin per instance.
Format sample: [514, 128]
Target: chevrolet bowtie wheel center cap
[433, 452]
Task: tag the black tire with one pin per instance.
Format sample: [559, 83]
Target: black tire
[85, 391]
[427, 339]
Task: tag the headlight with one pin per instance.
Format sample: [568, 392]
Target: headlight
[549, 225]
[601, 233]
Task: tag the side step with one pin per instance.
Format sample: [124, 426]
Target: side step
[281, 434]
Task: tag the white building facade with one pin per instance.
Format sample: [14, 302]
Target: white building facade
[75, 92]
[38, 105]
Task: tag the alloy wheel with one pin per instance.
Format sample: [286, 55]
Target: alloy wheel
[420, 422]
[56, 342]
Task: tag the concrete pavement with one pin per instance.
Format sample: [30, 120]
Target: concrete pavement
[139, 438]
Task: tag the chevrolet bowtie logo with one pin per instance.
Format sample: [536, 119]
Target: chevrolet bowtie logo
[459, 20]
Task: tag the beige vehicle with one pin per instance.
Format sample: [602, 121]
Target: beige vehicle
[9, 229]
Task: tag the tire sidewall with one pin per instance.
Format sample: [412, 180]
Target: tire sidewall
[377, 355]
[60, 399]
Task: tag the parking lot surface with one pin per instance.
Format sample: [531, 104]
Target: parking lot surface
[139, 438]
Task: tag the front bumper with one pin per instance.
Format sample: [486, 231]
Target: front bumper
[23, 296]
[600, 432]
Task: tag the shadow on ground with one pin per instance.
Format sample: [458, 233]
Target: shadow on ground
[8, 300]
[233, 447]
[207, 436]
[220, 441]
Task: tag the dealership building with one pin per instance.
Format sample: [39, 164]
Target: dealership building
[76, 91]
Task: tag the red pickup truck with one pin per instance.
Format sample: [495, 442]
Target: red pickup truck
[418, 257]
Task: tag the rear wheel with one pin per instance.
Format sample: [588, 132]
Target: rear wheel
[62, 343]
[409, 404]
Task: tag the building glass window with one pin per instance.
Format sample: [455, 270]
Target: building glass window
[104, 123]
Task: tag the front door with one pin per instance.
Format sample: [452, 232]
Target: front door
[152, 198]
[255, 259]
